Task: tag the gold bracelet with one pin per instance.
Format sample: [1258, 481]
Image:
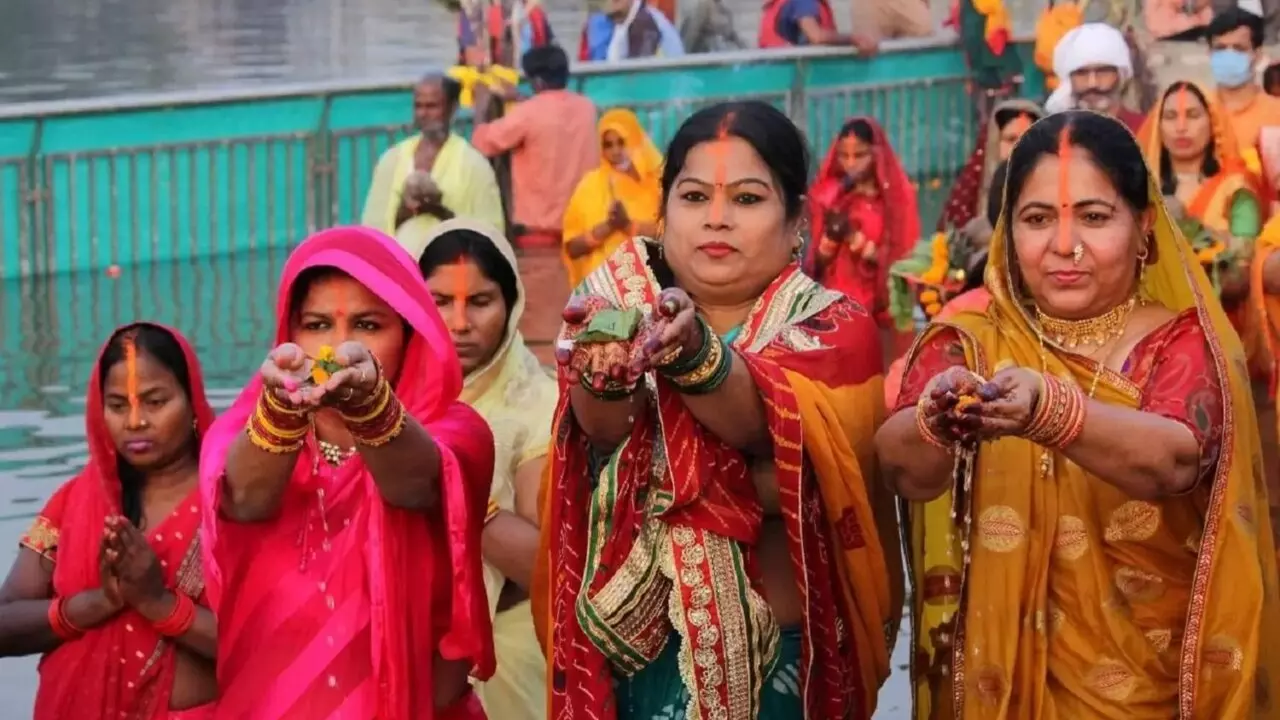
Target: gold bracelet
[701, 373]
[492, 512]
[381, 396]
[267, 445]
[397, 427]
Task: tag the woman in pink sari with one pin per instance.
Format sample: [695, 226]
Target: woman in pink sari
[107, 582]
[345, 493]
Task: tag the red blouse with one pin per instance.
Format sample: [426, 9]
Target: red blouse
[1173, 366]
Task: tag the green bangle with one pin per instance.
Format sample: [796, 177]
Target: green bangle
[705, 379]
[680, 366]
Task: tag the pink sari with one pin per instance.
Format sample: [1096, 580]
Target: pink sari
[337, 607]
[122, 669]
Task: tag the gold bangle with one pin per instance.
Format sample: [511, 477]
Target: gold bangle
[492, 512]
[381, 396]
[397, 427]
[264, 444]
[699, 375]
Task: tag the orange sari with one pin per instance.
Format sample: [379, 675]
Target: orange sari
[1075, 600]
[1212, 202]
[664, 539]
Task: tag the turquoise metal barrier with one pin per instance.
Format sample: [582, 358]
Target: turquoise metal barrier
[95, 184]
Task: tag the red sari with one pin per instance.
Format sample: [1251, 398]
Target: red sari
[122, 669]
[629, 559]
[357, 597]
[890, 219]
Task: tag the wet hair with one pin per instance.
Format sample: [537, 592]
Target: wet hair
[548, 64]
[160, 345]
[1230, 19]
[1006, 115]
[1169, 181]
[460, 244]
[858, 128]
[452, 88]
[765, 128]
[1271, 79]
[1110, 144]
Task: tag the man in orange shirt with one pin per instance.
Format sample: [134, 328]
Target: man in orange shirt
[552, 140]
[1235, 42]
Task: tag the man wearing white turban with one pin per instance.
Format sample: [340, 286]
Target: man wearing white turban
[1094, 63]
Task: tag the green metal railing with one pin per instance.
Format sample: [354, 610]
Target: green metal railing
[90, 185]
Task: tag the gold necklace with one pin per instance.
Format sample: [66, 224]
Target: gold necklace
[1095, 331]
[333, 454]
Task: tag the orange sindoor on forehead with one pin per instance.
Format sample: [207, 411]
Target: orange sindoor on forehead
[721, 150]
[1183, 102]
[459, 305]
[1020, 123]
[1065, 241]
[131, 380]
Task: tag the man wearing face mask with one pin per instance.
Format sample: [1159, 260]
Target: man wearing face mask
[434, 175]
[1235, 42]
[1095, 64]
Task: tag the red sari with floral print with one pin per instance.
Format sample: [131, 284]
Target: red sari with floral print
[122, 669]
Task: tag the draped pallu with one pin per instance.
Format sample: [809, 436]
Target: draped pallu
[661, 536]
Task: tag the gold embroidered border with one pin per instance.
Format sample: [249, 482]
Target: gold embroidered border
[42, 537]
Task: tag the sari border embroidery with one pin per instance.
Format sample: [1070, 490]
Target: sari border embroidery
[1197, 605]
[42, 538]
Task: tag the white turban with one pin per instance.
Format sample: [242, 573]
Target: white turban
[1088, 44]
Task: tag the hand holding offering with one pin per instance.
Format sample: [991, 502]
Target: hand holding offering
[598, 353]
[945, 412]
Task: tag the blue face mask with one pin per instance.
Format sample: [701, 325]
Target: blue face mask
[1231, 68]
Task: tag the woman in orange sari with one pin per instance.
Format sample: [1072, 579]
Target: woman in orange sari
[714, 541]
[345, 494]
[863, 218]
[1110, 552]
[108, 583]
[1187, 139]
[616, 201]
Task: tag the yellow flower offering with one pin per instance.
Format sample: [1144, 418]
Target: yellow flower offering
[324, 365]
[937, 271]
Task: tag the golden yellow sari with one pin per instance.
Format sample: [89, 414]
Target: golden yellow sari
[1073, 599]
[640, 194]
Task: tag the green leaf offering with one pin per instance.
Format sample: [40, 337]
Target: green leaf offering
[611, 326]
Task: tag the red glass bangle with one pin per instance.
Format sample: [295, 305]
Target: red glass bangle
[180, 619]
[58, 622]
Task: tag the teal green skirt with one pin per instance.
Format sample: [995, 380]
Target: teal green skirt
[658, 693]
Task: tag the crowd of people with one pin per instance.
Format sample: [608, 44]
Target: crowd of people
[777, 403]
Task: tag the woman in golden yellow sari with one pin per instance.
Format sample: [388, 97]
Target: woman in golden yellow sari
[1111, 551]
[471, 270]
[616, 201]
[714, 540]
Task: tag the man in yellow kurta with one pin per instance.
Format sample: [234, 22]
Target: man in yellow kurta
[433, 176]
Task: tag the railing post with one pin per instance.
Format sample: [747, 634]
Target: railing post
[797, 104]
[322, 161]
[32, 260]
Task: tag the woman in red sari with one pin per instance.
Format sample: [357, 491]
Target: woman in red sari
[714, 539]
[108, 577]
[863, 218]
[344, 494]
